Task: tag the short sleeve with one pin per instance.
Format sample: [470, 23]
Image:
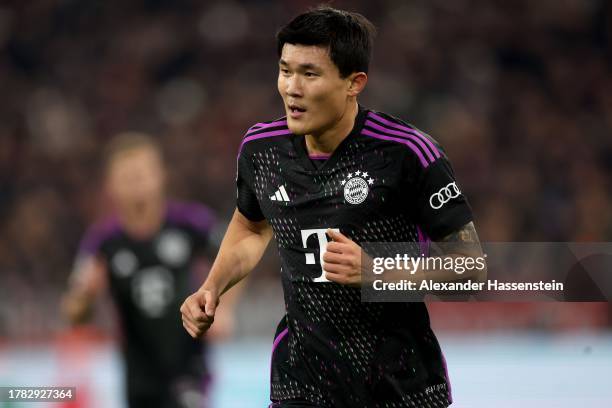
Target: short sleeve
[92, 242]
[440, 207]
[197, 218]
[246, 199]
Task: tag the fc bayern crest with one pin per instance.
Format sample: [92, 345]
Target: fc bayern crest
[173, 248]
[356, 187]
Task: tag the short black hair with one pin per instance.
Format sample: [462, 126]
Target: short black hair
[348, 36]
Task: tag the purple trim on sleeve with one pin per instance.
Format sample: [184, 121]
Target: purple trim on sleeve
[404, 134]
[195, 215]
[260, 126]
[407, 129]
[247, 139]
[98, 233]
[408, 143]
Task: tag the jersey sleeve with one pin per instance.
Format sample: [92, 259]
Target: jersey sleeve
[92, 242]
[205, 225]
[196, 218]
[440, 205]
[246, 199]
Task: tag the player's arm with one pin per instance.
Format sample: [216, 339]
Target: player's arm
[343, 261]
[461, 243]
[241, 249]
[87, 281]
[225, 313]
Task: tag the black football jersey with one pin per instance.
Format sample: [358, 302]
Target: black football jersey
[149, 279]
[381, 184]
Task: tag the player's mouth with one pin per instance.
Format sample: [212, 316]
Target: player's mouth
[296, 111]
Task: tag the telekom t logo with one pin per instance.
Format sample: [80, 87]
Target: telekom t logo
[310, 257]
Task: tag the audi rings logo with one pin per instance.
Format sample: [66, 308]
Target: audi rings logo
[447, 193]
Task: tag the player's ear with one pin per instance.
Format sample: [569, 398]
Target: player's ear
[356, 82]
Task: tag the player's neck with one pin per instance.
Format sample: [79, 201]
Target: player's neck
[143, 220]
[328, 140]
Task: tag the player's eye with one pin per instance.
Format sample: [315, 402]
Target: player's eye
[310, 74]
[284, 71]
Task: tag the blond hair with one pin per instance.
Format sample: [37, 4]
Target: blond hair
[129, 141]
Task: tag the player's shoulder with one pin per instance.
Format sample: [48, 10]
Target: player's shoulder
[265, 132]
[101, 231]
[410, 140]
[189, 214]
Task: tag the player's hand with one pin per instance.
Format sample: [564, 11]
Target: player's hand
[224, 326]
[76, 307]
[198, 312]
[342, 260]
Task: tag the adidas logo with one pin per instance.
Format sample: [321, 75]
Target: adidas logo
[280, 195]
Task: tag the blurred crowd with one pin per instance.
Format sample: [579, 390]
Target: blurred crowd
[519, 93]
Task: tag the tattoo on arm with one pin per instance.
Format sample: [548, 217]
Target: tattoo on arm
[466, 234]
[462, 241]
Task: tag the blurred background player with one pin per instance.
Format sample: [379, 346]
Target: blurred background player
[150, 254]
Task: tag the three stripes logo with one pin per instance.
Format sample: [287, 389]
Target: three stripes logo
[280, 195]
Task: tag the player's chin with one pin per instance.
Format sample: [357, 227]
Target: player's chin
[296, 127]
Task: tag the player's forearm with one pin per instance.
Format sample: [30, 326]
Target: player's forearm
[454, 249]
[87, 281]
[76, 307]
[463, 243]
[236, 258]
[242, 248]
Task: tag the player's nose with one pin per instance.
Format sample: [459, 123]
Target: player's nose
[293, 86]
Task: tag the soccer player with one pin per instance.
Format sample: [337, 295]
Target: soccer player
[149, 254]
[334, 170]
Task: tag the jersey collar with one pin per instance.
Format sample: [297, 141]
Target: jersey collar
[299, 143]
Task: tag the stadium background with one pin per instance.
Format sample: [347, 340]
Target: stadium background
[519, 93]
